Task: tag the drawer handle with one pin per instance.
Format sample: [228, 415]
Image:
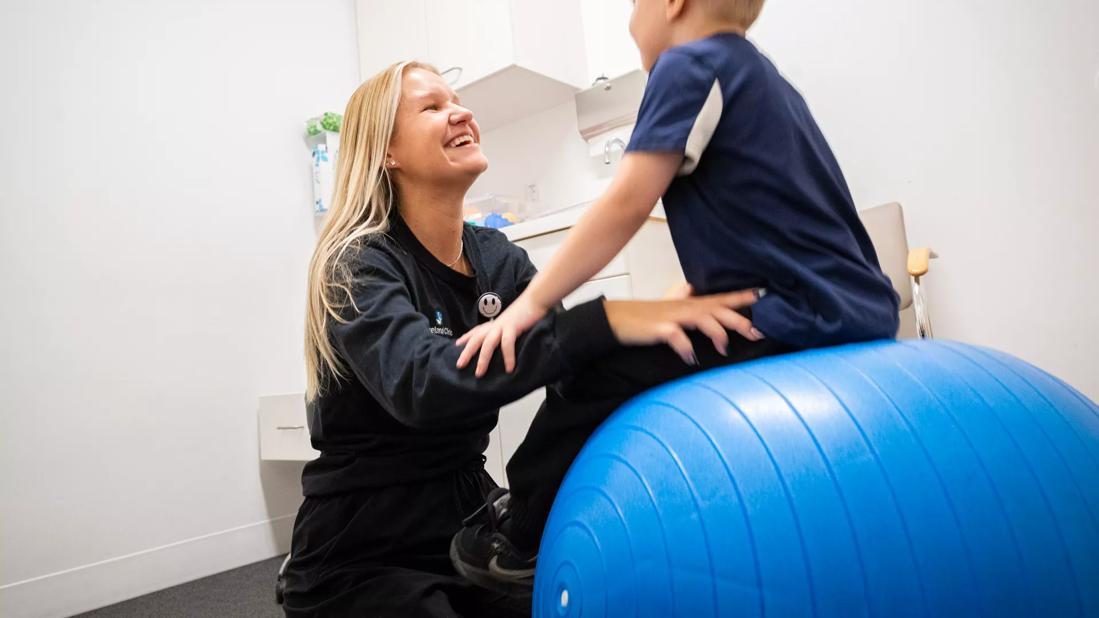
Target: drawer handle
[280, 427]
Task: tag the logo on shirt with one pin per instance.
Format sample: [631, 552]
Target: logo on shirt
[439, 329]
[490, 305]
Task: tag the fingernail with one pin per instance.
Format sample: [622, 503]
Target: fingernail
[694, 360]
[761, 292]
[756, 332]
[724, 351]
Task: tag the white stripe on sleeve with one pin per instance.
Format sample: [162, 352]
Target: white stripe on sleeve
[704, 126]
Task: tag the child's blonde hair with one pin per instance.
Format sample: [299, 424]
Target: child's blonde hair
[363, 198]
[741, 12]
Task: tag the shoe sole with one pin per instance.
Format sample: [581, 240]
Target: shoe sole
[520, 588]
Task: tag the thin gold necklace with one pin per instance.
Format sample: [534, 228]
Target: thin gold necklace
[461, 249]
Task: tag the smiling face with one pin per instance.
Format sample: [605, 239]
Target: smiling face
[490, 305]
[435, 139]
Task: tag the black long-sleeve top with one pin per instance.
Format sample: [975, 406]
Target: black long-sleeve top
[406, 413]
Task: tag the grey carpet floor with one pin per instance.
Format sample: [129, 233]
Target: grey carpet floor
[245, 592]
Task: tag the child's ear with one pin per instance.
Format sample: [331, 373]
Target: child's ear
[673, 9]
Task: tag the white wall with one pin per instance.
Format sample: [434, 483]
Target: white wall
[544, 150]
[981, 117]
[155, 227]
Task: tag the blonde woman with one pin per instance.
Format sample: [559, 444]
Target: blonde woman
[395, 279]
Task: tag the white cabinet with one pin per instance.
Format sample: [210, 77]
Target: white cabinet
[515, 418]
[284, 433]
[390, 31]
[494, 456]
[484, 37]
[283, 430]
[613, 288]
[570, 41]
[645, 269]
[610, 48]
[541, 248]
[517, 57]
[475, 35]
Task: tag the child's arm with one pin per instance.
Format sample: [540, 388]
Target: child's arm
[599, 235]
[606, 228]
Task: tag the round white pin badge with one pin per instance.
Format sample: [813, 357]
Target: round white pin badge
[490, 305]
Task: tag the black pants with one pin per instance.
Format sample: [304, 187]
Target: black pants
[575, 408]
[384, 553]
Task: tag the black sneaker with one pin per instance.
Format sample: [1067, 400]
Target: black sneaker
[483, 555]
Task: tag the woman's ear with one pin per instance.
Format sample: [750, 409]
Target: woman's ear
[390, 162]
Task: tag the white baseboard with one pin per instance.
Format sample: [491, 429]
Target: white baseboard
[91, 586]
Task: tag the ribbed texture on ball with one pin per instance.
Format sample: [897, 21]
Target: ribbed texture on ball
[885, 479]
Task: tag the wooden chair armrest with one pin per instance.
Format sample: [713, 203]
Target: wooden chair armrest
[918, 261]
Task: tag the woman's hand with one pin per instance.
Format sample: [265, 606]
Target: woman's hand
[679, 292]
[503, 331]
[665, 321]
[633, 323]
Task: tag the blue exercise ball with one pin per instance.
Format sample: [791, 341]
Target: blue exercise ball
[884, 479]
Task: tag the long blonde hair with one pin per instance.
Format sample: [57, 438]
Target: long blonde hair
[363, 198]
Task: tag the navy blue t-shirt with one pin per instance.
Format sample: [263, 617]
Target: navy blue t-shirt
[760, 200]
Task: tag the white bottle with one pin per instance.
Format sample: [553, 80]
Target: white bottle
[322, 179]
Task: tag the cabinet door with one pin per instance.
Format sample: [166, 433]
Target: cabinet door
[475, 35]
[283, 431]
[390, 32]
[614, 288]
[549, 38]
[611, 50]
[541, 248]
[515, 419]
[494, 463]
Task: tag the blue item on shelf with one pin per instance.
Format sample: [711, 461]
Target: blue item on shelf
[894, 479]
[496, 221]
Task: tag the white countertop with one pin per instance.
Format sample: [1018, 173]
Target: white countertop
[557, 221]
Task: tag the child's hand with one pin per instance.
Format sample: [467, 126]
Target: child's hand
[514, 321]
[653, 322]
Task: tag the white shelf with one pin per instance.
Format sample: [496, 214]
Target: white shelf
[544, 224]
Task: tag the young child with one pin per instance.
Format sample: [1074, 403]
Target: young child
[754, 199]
